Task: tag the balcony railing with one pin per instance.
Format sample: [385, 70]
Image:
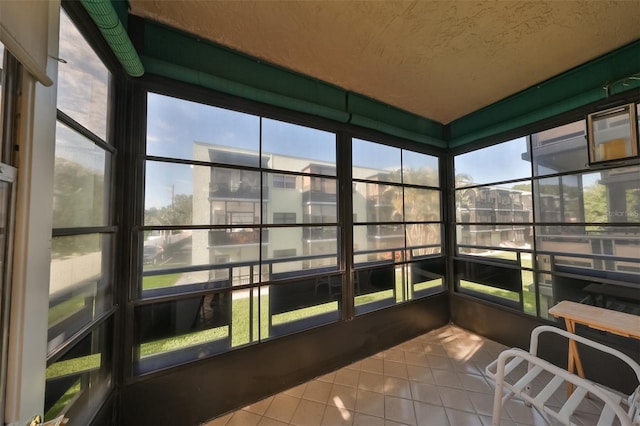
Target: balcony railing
[237, 236]
[248, 193]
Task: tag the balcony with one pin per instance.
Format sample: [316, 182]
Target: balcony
[225, 191]
[311, 197]
[237, 236]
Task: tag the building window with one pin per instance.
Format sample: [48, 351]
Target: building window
[81, 286]
[284, 181]
[280, 218]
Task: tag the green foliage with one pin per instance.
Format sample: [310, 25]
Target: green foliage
[179, 212]
[595, 204]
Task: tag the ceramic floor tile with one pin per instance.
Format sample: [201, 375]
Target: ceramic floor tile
[447, 378]
[336, 416]
[399, 410]
[394, 355]
[462, 418]
[282, 407]
[482, 403]
[347, 377]
[427, 414]
[420, 374]
[308, 413]
[425, 392]
[475, 383]
[296, 391]
[454, 398]
[416, 358]
[243, 418]
[371, 403]
[343, 397]
[361, 419]
[317, 391]
[395, 369]
[440, 362]
[395, 386]
[371, 382]
[266, 421]
[328, 377]
[219, 421]
[372, 365]
[259, 407]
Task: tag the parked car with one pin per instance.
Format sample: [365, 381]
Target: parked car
[153, 254]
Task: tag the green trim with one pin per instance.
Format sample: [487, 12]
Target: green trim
[106, 19]
[573, 89]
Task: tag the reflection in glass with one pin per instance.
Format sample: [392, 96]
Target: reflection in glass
[378, 287]
[179, 331]
[509, 160]
[79, 197]
[83, 80]
[492, 204]
[296, 148]
[81, 377]
[374, 161]
[385, 242]
[560, 149]
[78, 289]
[421, 205]
[559, 199]
[318, 244]
[307, 303]
[503, 235]
[177, 128]
[613, 134]
[419, 169]
[377, 203]
[424, 234]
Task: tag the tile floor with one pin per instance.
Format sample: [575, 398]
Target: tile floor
[436, 379]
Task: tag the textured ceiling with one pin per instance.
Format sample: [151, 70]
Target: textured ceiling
[438, 59]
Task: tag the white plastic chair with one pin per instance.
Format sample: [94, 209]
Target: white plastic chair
[518, 382]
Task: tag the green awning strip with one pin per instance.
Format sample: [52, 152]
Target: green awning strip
[105, 17]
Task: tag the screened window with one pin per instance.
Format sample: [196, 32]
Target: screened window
[397, 223]
[81, 284]
[561, 231]
[215, 181]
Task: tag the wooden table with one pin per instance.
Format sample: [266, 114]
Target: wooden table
[615, 322]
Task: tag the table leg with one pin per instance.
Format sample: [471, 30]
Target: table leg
[574, 356]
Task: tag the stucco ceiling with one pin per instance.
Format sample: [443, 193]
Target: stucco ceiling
[438, 59]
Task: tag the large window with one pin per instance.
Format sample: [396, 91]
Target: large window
[240, 234]
[79, 363]
[544, 227]
[397, 243]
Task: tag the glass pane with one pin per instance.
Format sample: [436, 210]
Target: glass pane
[616, 249]
[421, 205]
[318, 245]
[377, 288]
[192, 131]
[509, 160]
[304, 304]
[180, 331]
[181, 248]
[609, 196]
[79, 288]
[505, 235]
[83, 80]
[375, 161]
[561, 149]
[425, 277]
[491, 204]
[79, 197]
[298, 148]
[378, 242]
[419, 169]
[423, 234]
[82, 376]
[559, 199]
[377, 203]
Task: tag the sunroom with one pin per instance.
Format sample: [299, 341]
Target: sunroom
[231, 199]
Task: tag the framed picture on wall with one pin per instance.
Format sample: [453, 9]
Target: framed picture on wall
[613, 134]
